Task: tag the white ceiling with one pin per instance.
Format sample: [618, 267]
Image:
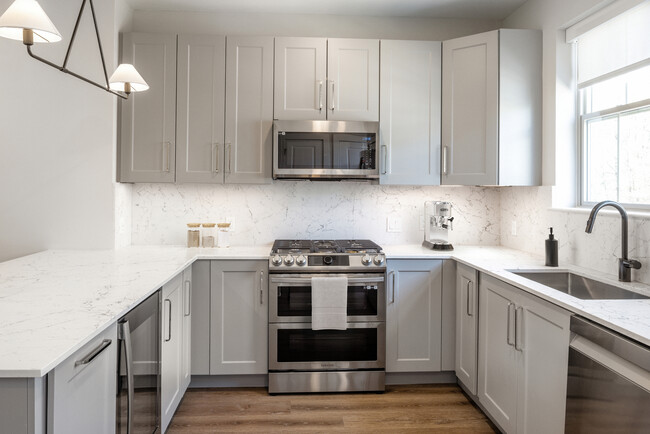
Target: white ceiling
[484, 9]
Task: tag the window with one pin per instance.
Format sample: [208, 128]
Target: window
[614, 95]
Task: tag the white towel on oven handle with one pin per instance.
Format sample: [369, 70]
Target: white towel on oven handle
[329, 303]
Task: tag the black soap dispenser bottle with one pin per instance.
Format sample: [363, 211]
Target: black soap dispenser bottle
[551, 250]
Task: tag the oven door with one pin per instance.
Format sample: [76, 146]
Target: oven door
[296, 347]
[290, 297]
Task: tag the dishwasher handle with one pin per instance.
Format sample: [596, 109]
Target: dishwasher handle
[612, 341]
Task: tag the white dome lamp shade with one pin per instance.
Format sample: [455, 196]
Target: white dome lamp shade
[127, 79]
[26, 21]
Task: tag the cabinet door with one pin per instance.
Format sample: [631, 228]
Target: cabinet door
[300, 78]
[147, 138]
[172, 347]
[410, 112]
[467, 326]
[470, 73]
[200, 109]
[413, 315]
[249, 109]
[543, 340]
[239, 320]
[498, 360]
[353, 79]
[81, 390]
[186, 352]
[200, 318]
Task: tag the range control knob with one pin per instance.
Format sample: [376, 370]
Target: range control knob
[378, 260]
[301, 260]
[366, 259]
[276, 260]
[328, 260]
[288, 260]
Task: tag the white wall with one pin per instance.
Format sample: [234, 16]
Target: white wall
[263, 213]
[532, 207]
[334, 26]
[56, 140]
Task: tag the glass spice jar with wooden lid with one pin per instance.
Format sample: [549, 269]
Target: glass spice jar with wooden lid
[208, 235]
[193, 234]
[223, 239]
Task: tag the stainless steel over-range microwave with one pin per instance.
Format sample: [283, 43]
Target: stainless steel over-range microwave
[325, 150]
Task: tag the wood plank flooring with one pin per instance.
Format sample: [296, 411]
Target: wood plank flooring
[439, 408]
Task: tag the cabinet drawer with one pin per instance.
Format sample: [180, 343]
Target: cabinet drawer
[81, 390]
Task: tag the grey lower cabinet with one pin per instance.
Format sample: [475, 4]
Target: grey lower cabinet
[410, 86]
[522, 359]
[414, 316]
[230, 317]
[238, 317]
[171, 349]
[208, 114]
[492, 108]
[81, 390]
[467, 327]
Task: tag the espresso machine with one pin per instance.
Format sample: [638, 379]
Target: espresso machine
[437, 224]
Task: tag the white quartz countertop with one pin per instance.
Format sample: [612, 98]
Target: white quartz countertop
[54, 302]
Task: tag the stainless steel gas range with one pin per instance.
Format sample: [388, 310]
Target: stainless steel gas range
[302, 359]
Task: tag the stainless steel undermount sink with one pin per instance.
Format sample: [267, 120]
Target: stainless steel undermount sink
[579, 286]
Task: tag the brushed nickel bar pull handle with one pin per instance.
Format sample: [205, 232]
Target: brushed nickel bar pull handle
[469, 312]
[229, 150]
[444, 160]
[510, 321]
[169, 321]
[261, 287]
[125, 336]
[320, 95]
[168, 148]
[332, 96]
[384, 150]
[188, 298]
[94, 353]
[392, 288]
[215, 157]
[519, 319]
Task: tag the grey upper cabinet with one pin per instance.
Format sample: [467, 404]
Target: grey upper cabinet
[200, 109]
[300, 78]
[148, 137]
[491, 108]
[249, 109]
[319, 78]
[410, 112]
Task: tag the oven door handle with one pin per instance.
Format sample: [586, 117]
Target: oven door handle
[307, 280]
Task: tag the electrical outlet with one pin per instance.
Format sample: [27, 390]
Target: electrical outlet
[393, 224]
[513, 228]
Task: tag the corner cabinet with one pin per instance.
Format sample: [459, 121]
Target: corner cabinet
[238, 317]
[319, 78]
[522, 359]
[210, 122]
[147, 148]
[410, 88]
[467, 327]
[413, 315]
[492, 108]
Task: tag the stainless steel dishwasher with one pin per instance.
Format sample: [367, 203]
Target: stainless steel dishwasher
[608, 389]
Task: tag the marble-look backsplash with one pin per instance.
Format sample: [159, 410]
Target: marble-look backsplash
[530, 207]
[310, 210]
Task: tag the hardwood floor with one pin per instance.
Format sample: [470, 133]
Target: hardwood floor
[402, 409]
